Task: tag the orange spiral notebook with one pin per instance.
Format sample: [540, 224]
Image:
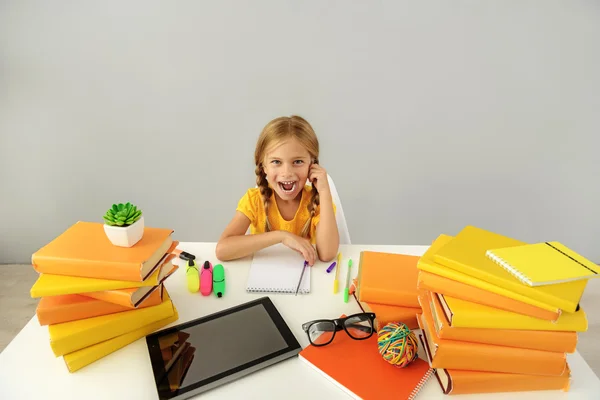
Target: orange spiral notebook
[358, 369]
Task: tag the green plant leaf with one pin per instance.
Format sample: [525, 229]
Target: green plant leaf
[122, 214]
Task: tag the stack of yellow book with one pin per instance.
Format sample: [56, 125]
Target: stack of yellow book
[95, 297]
[486, 330]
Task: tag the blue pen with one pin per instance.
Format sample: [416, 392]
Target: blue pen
[331, 267]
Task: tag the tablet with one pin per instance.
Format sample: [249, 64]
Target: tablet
[207, 352]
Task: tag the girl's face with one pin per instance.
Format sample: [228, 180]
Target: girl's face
[287, 164]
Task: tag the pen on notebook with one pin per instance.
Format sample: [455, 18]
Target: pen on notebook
[337, 274]
[301, 275]
[347, 289]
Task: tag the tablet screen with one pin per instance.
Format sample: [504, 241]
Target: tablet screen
[212, 349]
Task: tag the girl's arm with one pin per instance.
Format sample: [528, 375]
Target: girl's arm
[234, 243]
[328, 237]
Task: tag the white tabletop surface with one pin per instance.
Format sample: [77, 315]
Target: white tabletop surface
[29, 370]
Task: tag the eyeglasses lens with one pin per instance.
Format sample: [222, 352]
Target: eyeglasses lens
[359, 326]
[321, 332]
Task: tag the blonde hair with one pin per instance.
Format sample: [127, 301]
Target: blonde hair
[275, 131]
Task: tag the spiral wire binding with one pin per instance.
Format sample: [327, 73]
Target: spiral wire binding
[508, 267]
[420, 385]
[273, 290]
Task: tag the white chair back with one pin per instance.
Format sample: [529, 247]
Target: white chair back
[340, 217]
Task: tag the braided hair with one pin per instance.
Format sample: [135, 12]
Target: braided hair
[274, 132]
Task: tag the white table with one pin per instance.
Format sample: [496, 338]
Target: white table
[29, 370]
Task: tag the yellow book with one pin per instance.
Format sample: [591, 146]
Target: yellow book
[54, 285]
[546, 263]
[466, 314]
[81, 358]
[70, 336]
[427, 263]
[466, 253]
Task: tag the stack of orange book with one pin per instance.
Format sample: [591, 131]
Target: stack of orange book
[95, 297]
[484, 331]
[387, 286]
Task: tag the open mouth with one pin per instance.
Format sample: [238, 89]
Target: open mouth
[287, 186]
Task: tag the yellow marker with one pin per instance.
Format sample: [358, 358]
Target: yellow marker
[337, 270]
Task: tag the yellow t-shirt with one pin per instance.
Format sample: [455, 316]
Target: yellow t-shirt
[251, 205]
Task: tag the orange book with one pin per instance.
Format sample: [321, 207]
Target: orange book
[71, 307]
[83, 250]
[53, 285]
[130, 298]
[556, 341]
[386, 314]
[455, 381]
[454, 354]
[466, 314]
[449, 287]
[388, 278]
[357, 368]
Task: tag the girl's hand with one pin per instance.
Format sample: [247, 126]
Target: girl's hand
[301, 245]
[318, 176]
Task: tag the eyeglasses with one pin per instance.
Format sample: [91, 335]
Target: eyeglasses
[321, 332]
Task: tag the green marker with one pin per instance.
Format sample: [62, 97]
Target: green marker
[347, 288]
[219, 280]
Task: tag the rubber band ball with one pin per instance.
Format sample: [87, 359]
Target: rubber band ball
[397, 344]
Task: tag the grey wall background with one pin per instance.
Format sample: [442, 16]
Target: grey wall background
[431, 115]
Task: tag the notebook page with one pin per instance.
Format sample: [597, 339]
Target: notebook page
[277, 269]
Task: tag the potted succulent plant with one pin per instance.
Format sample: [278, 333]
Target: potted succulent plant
[124, 224]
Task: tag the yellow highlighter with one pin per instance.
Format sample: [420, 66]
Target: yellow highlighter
[337, 273]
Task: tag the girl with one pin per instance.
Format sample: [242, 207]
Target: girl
[283, 209]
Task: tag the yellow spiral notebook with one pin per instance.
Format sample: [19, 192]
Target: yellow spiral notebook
[546, 263]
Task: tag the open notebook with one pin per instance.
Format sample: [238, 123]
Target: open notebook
[277, 269]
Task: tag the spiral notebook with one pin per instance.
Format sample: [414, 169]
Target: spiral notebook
[545, 263]
[357, 368]
[277, 269]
